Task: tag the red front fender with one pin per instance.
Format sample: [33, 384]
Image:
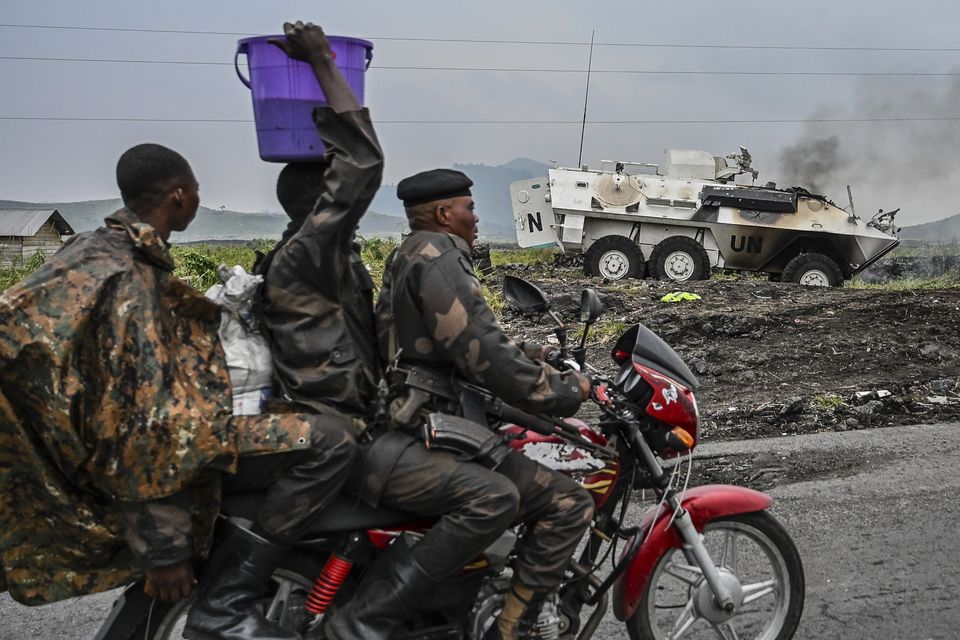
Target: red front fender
[704, 504]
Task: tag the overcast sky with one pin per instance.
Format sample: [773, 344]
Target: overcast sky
[904, 163]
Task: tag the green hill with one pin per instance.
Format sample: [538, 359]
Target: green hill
[940, 231]
[491, 190]
[210, 224]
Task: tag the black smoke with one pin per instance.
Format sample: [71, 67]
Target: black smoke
[905, 155]
[812, 163]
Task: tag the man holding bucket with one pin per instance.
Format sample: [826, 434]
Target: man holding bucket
[317, 311]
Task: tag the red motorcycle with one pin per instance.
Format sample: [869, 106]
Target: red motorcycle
[703, 562]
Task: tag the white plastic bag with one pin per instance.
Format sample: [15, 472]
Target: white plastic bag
[248, 354]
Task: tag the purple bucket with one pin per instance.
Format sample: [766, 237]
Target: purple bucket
[285, 92]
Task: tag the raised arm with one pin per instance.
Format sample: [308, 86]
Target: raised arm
[308, 42]
[354, 160]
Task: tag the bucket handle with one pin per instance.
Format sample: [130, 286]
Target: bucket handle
[241, 48]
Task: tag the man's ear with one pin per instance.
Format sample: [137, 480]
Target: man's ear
[177, 197]
[441, 214]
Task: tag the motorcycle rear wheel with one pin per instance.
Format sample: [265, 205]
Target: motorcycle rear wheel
[284, 605]
[753, 552]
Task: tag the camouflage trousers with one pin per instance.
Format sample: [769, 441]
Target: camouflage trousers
[556, 511]
[475, 505]
[299, 483]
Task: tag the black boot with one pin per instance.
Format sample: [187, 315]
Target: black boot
[237, 575]
[392, 590]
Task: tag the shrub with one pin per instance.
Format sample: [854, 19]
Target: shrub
[500, 257]
[827, 401]
[19, 270]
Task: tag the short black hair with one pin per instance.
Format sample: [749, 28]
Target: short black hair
[146, 171]
[299, 186]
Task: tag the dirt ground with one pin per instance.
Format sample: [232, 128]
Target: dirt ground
[777, 359]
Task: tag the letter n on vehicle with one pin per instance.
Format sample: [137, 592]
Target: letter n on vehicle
[534, 222]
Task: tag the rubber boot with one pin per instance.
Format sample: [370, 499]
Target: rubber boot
[518, 618]
[393, 589]
[238, 574]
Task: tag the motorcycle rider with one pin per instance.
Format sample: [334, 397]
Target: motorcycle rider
[432, 314]
[317, 312]
[115, 423]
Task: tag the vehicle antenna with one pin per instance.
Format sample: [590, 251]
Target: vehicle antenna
[853, 211]
[586, 97]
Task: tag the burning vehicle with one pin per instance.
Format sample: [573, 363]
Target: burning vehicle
[682, 218]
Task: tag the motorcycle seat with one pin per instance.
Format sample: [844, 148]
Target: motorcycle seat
[342, 514]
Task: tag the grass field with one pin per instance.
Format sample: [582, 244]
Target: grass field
[946, 281]
[951, 248]
[197, 264]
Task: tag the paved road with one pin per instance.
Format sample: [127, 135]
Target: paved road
[880, 544]
[881, 548]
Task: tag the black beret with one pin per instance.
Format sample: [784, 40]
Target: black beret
[436, 184]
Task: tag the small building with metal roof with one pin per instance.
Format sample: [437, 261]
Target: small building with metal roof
[24, 232]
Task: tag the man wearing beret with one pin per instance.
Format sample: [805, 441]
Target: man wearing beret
[433, 314]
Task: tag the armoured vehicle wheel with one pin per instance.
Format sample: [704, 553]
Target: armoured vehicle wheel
[679, 258]
[814, 270]
[615, 258]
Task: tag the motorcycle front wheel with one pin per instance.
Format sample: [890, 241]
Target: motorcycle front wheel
[284, 605]
[759, 563]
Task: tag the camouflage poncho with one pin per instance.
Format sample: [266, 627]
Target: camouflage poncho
[113, 387]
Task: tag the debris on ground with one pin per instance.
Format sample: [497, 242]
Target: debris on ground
[778, 358]
[680, 296]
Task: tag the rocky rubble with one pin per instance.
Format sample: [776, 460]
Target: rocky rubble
[777, 358]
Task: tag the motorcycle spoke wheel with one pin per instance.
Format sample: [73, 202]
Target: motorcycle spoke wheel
[729, 555]
[755, 555]
[687, 573]
[284, 605]
[687, 618]
[726, 631]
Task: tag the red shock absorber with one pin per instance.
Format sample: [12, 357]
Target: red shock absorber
[328, 583]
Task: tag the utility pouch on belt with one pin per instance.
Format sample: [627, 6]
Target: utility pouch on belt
[471, 440]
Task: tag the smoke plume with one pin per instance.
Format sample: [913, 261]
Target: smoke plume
[907, 161]
[812, 163]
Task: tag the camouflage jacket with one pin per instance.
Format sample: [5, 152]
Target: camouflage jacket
[113, 392]
[316, 306]
[432, 311]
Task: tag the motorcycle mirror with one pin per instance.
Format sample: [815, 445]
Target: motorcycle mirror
[525, 295]
[590, 306]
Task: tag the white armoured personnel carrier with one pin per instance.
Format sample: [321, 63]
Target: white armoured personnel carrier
[679, 219]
